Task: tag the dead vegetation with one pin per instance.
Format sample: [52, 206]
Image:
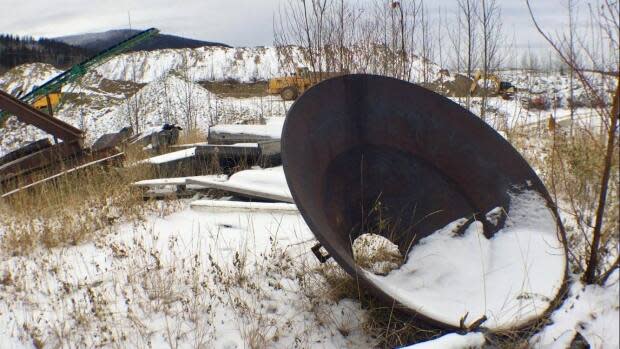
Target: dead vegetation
[233, 88]
[389, 326]
[570, 166]
[71, 209]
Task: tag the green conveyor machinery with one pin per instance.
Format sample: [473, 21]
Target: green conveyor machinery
[78, 70]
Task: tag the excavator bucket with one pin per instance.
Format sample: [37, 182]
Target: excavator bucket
[370, 154]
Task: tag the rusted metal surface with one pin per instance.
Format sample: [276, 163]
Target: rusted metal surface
[39, 160]
[97, 159]
[111, 140]
[222, 137]
[365, 153]
[23, 151]
[37, 118]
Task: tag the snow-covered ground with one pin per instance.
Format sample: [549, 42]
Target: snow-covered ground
[204, 63]
[590, 310]
[238, 277]
[186, 279]
[21, 80]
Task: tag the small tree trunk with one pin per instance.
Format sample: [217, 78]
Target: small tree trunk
[589, 276]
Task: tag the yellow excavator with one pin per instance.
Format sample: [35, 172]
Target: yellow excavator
[291, 87]
[498, 88]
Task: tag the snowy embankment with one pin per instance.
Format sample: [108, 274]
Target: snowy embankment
[175, 100]
[171, 93]
[22, 79]
[204, 63]
[244, 64]
[169, 99]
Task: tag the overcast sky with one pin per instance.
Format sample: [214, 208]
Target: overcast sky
[235, 22]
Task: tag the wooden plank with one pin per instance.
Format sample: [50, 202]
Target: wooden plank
[25, 150]
[39, 160]
[216, 137]
[243, 150]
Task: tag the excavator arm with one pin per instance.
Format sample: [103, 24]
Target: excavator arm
[503, 88]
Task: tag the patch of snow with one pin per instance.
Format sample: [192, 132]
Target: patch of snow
[267, 183]
[452, 341]
[270, 179]
[187, 279]
[272, 128]
[221, 206]
[176, 180]
[590, 310]
[511, 278]
[172, 156]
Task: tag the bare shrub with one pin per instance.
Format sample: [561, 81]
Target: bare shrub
[583, 62]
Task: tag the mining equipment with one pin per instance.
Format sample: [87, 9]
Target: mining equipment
[48, 96]
[291, 87]
[373, 154]
[499, 88]
[68, 151]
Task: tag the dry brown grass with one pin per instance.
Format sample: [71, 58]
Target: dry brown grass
[390, 327]
[236, 89]
[192, 136]
[70, 209]
[570, 167]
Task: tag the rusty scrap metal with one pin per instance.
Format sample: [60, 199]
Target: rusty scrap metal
[37, 118]
[364, 153]
[25, 150]
[42, 159]
[102, 158]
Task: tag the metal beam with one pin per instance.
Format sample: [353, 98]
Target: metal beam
[37, 118]
[39, 160]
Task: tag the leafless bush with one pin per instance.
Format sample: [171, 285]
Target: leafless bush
[582, 60]
[374, 37]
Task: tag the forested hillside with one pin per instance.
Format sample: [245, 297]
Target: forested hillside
[15, 50]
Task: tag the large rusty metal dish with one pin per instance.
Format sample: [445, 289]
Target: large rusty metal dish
[356, 142]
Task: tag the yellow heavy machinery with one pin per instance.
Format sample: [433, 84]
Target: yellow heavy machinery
[291, 87]
[47, 102]
[498, 88]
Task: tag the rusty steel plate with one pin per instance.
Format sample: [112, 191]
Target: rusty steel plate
[353, 143]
